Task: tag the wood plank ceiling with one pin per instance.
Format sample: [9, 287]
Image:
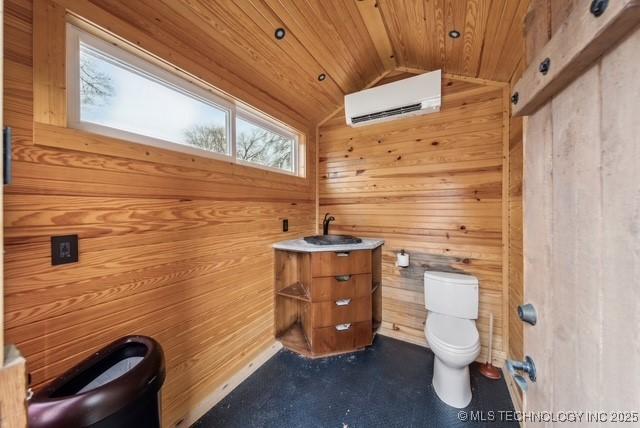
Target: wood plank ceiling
[352, 42]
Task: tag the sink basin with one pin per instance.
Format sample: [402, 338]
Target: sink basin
[332, 239]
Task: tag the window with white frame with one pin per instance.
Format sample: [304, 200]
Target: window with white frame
[114, 92]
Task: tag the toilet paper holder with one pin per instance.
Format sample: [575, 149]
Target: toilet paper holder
[402, 259]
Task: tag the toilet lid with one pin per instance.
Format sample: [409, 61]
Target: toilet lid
[452, 332]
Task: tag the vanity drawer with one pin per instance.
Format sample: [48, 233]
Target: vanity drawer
[340, 311]
[340, 287]
[343, 337]
[332, 263]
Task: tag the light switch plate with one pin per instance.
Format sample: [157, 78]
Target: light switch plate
[64, 249]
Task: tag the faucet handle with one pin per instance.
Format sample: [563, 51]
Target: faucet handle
[331, 218]
[326, 222]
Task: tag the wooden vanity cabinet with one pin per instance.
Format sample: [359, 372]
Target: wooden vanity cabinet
[327, 302]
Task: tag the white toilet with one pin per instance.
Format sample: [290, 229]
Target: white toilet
[452, 308]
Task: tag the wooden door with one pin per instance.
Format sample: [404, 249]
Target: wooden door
[582, 240]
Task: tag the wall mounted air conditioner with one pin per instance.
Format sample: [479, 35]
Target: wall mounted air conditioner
[408, 97]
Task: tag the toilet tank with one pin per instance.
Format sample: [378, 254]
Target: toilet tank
[451, 294]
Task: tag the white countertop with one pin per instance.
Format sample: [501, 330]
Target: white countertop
[302, 246]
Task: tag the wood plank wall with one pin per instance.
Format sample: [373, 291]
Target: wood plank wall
[514, 245]
[13, 389]
[516, 284]
[169, 250]
[431, 185]
[515, 203]
[1, 202]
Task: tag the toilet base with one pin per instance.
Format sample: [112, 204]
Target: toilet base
[452, 385]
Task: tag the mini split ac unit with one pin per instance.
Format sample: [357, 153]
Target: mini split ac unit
[414, 96]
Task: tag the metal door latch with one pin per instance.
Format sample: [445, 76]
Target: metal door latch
[528, 314]
[527, 366]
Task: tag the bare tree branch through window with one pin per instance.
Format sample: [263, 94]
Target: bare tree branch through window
[95, 87]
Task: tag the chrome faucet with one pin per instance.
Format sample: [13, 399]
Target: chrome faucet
[325, 223]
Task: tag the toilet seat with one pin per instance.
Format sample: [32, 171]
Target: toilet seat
[455, 335]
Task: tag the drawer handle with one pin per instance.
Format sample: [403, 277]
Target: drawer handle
[342, 253]
[343, 302]
[343, 327]
[343, 278]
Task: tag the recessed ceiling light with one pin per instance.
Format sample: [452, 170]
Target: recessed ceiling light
[280, 33]
[454, 34]
[322, 76]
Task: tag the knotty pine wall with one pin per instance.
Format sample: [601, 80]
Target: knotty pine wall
[515, 271]
[171, 246]
[431, 185]
[516, 261]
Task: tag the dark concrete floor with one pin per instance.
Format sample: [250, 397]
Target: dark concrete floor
[386, 385]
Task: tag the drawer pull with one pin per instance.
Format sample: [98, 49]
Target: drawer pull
[342, 253]
[343, 327]
[343, 278]
[343, 302]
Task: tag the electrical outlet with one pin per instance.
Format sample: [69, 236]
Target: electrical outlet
[64, 249]
[285, 225]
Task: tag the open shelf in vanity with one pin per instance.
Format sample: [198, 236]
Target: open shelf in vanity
[327, 301]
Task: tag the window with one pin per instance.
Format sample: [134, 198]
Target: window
[261, 144]
[112, 91]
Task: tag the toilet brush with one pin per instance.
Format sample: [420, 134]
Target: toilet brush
[487, 369]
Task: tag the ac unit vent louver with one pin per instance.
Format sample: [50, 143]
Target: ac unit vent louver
[413, 96]
[386, 113]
